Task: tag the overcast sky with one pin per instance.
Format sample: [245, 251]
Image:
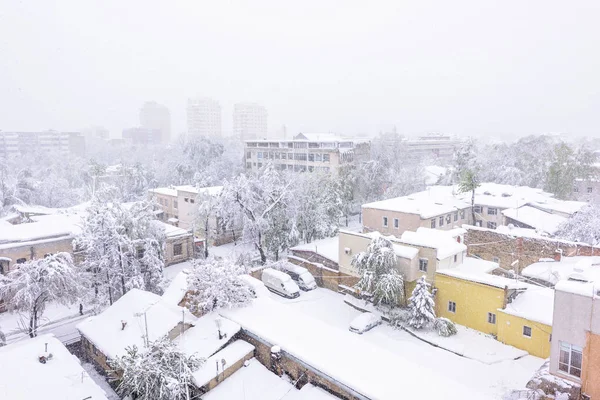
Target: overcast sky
[461, 67]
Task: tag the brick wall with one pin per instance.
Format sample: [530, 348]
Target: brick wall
[325, 277]
[316, 258]
[489, 244]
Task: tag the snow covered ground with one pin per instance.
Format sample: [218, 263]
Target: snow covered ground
[500, 374]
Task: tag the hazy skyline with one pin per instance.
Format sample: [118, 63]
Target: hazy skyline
[462, 67]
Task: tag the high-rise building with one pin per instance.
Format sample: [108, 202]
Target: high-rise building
[156, 116]
[204, 117]
[249, 121]
[59, 143]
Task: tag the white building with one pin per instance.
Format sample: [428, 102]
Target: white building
[435, 147]
[249, 121]
[156, 116]
[59, 143]
[204, 117]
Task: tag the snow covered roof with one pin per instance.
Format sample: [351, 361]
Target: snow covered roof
[366, 368]
[328, 248]
[25, 378]
[166, 191]
[172, 231]
[554, 271]
[233, 353]
[256, 382]
[477, 271]
[203, 338]
[433, 173]
[173, 191]
[105, 330]
[400, 250]
[443, 241]
[535, 304]
[536, 218]
[177, 289]
[42, 227]
[587, 289]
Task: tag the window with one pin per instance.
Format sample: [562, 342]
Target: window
[478, 223]
[396, 223]
[456, 216]
[526, 331]
[259, 154]
[311, 157]
[249, 154]
[462, 214]
[385, 222]
[455, 257]
[477, 209]
[423, 264]
[589, 189]
[492, 211]
[318, 157]
[192, 201]
[248, 165]
[495, 259]
[300, 156]
[283, 156]
[21, 260]
[576, 189]
[433, 223]
[442, 220]
[448, 219]
[140, 253]
[491, 318]
[325, 157]
[174, 203]
[452, 306]
[186, 199]
[177, 249]
[491, 225]
[570, 359]
[277, 156]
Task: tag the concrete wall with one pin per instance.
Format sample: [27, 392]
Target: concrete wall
[187, 249]
[372, 220]
[473, 302]
[325, 277]
[167, 205]
[33, 250]
[187, 209]
[510, 332]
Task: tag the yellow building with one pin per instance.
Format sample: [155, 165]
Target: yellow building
[518, 314]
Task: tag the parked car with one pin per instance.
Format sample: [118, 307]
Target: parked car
[300, 275]
[256, 286]
[280, 283]
[364, 322]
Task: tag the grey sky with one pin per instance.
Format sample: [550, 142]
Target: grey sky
[465, 67]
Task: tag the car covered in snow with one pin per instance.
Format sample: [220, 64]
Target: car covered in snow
[300, 275]
[257, 288]
[364, 322]
[280, 283]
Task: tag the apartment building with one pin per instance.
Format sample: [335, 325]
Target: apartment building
[60, 143]
[436, 147]
[306, 152]
[156, 116]
[141, 136]
[249, 121]
[575, 345]
[204, 117]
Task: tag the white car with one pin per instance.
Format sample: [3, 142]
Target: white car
[364, 322]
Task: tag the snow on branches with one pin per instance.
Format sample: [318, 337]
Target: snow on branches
[35, 283]
[582, 227]
[162, 372]
[378, 274]
[215, 284]
[421, 305]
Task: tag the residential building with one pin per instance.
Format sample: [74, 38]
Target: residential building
[141, 136]
[14, 144]
[204, 117]
[435, 147]
[43, 368]
[306, 152]
[249, 121]
[444, 207]
[587, 190]
[156, 116]
[575, 347]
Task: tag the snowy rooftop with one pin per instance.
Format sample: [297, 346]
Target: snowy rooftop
[535, 304]
[443, 241]
[554, 271]
[475, 270]
[166, 191]
[203, 338]
[173, 190]
[536, 218]
[172, 231]
[439, 200]
[256, 382]
[433, 173]
[177, 289]
[25, 378]
[42, 227]
[400, 250]
[105, 330]
[232, 354]
[362, 366]
[328, 248]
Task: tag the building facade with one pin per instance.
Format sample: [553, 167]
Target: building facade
[141, 136]
[436, 147]
[249, 121]
[156, 116]
[306, 152]
[204, 117]
[60, 143]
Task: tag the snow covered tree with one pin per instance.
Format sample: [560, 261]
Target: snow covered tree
[583, 226]
[378, 274]
[34, 284]
[160, 372]
[421, 305]
[215, 284]
[2, 338]
[444, 327]
[469, 182]
[207, 209]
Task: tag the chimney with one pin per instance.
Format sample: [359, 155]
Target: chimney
[123, 325]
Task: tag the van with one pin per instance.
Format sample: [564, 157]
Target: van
[280, 283]
[300, 275]
[257, 288]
